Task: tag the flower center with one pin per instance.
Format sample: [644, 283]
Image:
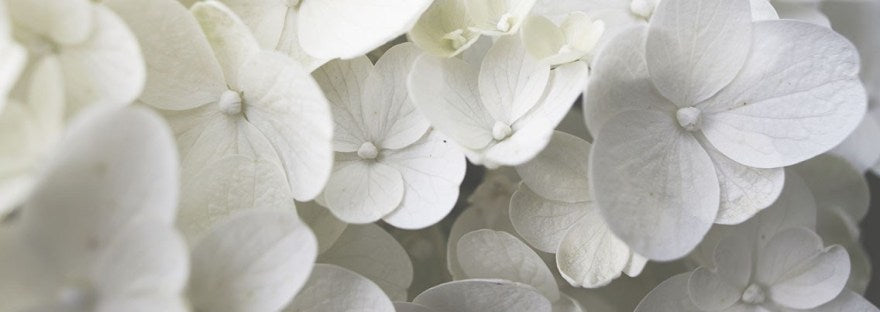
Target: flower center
[230, 103]
[754, 294]
[368, 151]
[501, 131]
[505, 23]
[456, 38]
[689, 118]
[643, 8]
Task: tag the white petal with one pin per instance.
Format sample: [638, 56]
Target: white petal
[799, 272]
[669, 296]
[390, 117]
[744, 190]
[182, 72]
[655, 184]
[265, 18]
[288, 107]
[344, 85]
[373, 253]
[589, 255]
[289, 43]
[721, 286]
[847, 301]
[333, 288]
[107, 68]
[475, 218]
[443, 30]
[432, 170]
[348, 28]
[499, 255]
[511, 81]
[411, 307]
[567, 304]
[12, 56]
[635, 266]
[559, 172]
[710, 292]
[620, 81]
[836, 186]
[542, 38]
[67, 22]
[763, 10]
[91, 192]
[498, 17]
[231, 40]
[478, 295]
[805, 11]
[791, 101]
[860, 148]
[795, 207]
[445, 91]
[324, 225]
[696, 48]
[257, 261]
[543, 222]
[363, 192]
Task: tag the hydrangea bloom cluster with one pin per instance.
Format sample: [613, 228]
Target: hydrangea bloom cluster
[437, 155]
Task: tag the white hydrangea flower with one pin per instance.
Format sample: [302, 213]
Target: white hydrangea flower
[99, 57]
[616, 15]
[12, 56]
[478, 295]
[690, 135]
[97, 233]
[553, 211]
[389, 164]
[499, 255]
[255, 260]
[254, 129]
[505, 113]
[316, 31]
[334, 288]
[792, 271]
[571, 40]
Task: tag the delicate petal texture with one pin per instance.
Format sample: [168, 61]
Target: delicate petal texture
[847, 301]
[344, 83]
[445, 91]
[635, 266]
[511, 81]
[324, 225]
[91, 160]
[363, 192]
[799, 272]
[744, 190]
[290, 110]
[182, 72]
[710, 291]
[443, 30]
[543, 222]
[620, 81]
[498, 17]
[671, 295]
[559, 172]
[590, 255]
[391, 119]
[836, 186]
[333, 288]
[476, 295]
[373, 253]
[655, 185]
[257, 261]
[791, 101]
[495, 254]
[231, 40]
[107, 68]
[432, 170]
[795, 207]
[348, 28]
[696, 48]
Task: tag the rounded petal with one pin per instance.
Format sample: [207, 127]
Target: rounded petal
[373, 253]
[348, 28]
[480, 295]
[333, 288]
[498, 17]
[472, 219]
[326, 227]
[655, 185]
[231, 40]
[499, 255]
[795, 207]
[182, 72]
[542, 222]
[710, 292]
[256, 261]
[443, 30]
[567, 304]
[288, 107]
[836, 186]
[432, 170]
[671, 295]
[847, 301]
[559, 172]
[542, 38]
[589, 255]
[793, 100]
[696, 48]
[344, 84]
[860, 148]
[363, 192]
[744, 190]
[511, 81]
[266, 19]
[67, 22]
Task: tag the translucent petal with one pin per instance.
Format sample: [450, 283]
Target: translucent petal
[480, 295]
[363, 192]
[333, 288]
